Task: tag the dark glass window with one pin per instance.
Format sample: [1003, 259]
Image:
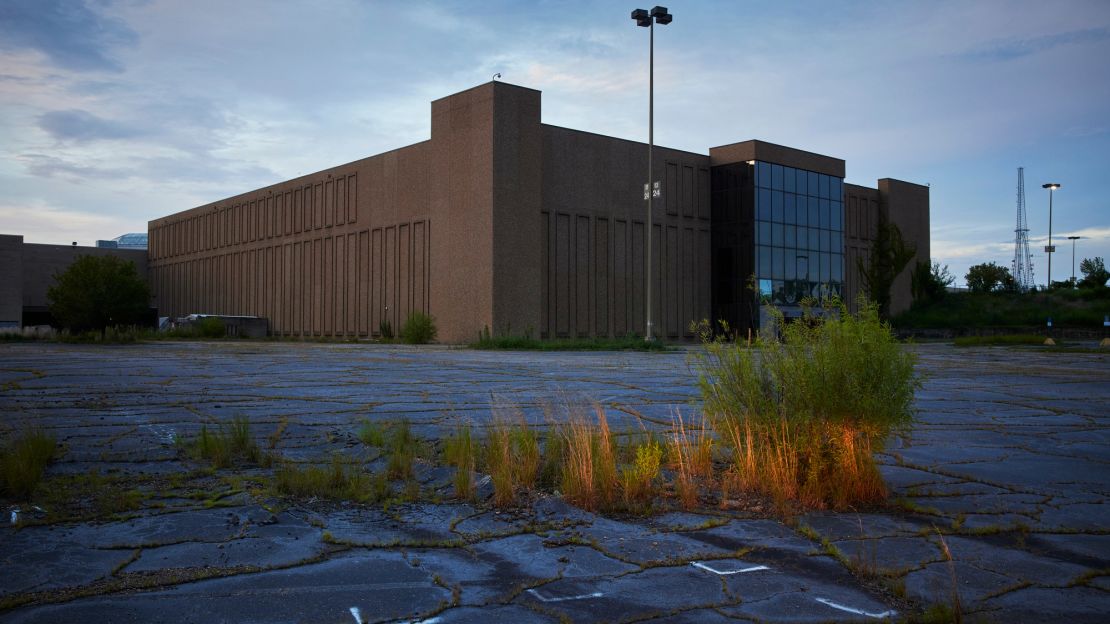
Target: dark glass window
[803, 266]
[791, 236]
[788, 203]
[763, 205]
[776, 206]
[776, 177]
[826, 265]
[814, 220]
[824, 193]
[836, 189]
[836, 216]
[824, 222]
[776, 263]
[764, 233]
[791, 260]
[803, 210]
[824, 240]
[813, 183]
[813, 236]
[762, 174]
[779, 295]
[801, 177]
[764, 261]
[837, 242]
[788, 177]
[837, 267]
[776, 234]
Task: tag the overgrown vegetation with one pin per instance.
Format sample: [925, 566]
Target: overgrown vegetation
[512, 458]
[419, 328]
[930, 282]
[97, 292]
[339, 480]
[802, 418]
[989, 277]
[460, 451]
[525, 342]
[23, 460]
[1073, 308]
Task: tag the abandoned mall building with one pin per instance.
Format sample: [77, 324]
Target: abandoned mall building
[504, 223]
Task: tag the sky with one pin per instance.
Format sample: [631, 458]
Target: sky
[116, 112]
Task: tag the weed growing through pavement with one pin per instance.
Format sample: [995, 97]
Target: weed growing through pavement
[339, 480]
[639, 477]
[460, 452]
[231, 444]
[803, 415]
[371, 434]
[402, 448]
[23, 460]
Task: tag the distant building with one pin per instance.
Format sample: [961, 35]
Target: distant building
[27, 271]
[499, 221]
[126, 241]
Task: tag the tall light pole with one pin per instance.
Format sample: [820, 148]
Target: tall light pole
[1049, 249]
[648, 19]
[1073, 239]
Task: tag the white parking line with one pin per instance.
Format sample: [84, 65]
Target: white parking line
[877, 616]
[544, 598]
[357, 614]
[698, 564]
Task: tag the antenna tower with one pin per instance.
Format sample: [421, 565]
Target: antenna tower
[1022, 269]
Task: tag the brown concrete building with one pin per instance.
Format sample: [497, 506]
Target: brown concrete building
[27, 271]
[499, 221]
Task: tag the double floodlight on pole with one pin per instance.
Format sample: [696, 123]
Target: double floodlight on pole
[1049, 249]
[648, 20]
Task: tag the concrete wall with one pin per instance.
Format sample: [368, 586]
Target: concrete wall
[906, 205]
[11, 280]
[594, 250]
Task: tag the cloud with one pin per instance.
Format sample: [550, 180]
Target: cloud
[68, 32]
[82, 126]
[1000, 51]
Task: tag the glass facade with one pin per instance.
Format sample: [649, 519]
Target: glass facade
[778, 237]
[799, 234]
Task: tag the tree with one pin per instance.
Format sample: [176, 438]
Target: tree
[1094, 273]
[97, 292]
[930, 282]
[890, 253]
[988, 277]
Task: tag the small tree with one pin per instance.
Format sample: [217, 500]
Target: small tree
[988, 277]
[890, 253]
[97, 292]
[1094, 272]
[930, 282]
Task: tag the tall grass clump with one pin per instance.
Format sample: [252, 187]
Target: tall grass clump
[460, 450]
[804, 412]
[691, 458]
[23, 460]
[589, 471]
[228, 445]
[511, 454]
[402, 448]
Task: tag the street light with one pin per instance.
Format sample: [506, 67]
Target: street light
[648, 20]
[1049, 249]
[1073, 239]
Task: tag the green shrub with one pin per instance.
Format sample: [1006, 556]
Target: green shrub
[802, 417]
[419, 328]
[211, 327]
[371, 434]
[23, 460]
[96, 292]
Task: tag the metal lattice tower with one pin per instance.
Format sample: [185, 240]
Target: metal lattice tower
[1022, 268]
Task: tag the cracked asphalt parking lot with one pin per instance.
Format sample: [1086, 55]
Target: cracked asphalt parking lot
[1007, 472]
